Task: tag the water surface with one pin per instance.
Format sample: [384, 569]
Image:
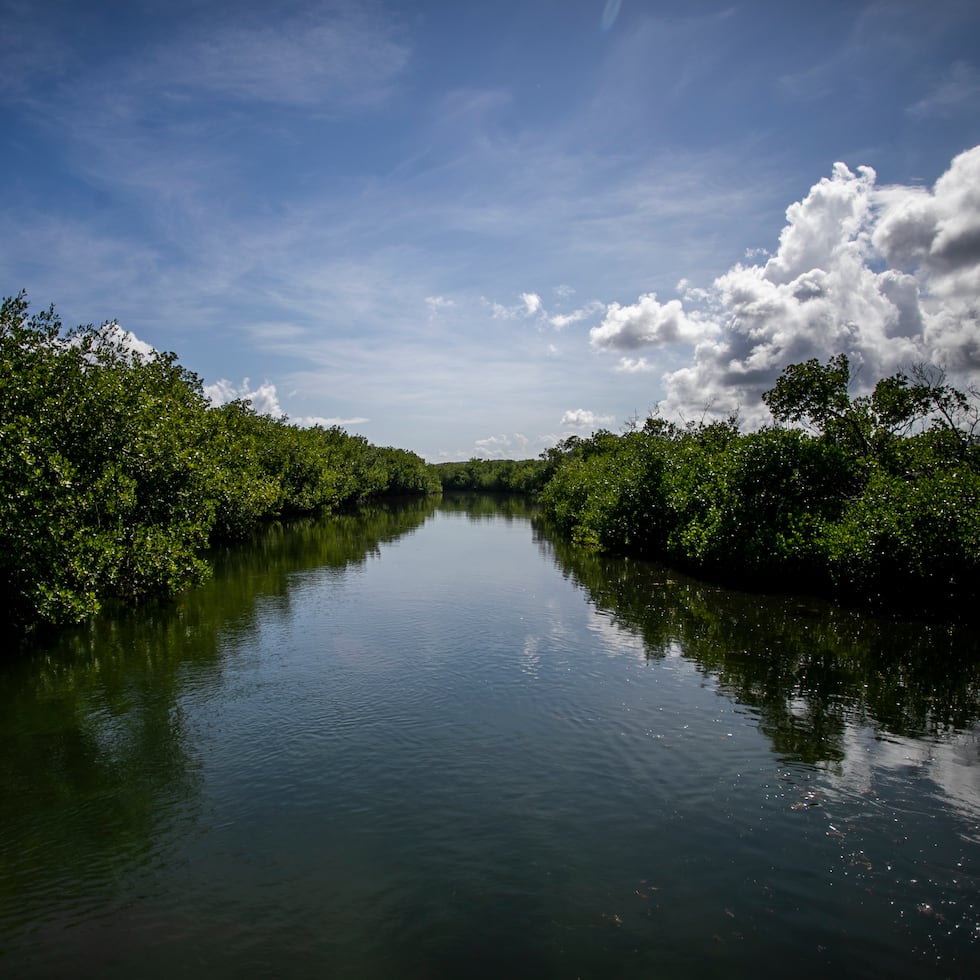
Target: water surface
[427, 740]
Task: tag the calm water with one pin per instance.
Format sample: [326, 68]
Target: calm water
[428, 741]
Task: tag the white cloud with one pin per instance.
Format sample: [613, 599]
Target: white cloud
[503, 446]
[888, 275]
[529, 306]
[648, 323]
[264, 398]
[308, 421]
[582, 418]
[222, 391]
[126, 339]
[698, 295]
[532, 303]
[265, 401]
[826, 221]
[437, 304]
[631, 365]
[561, 320]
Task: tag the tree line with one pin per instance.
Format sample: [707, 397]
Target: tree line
[493, 475]
[875, 499]
[117, 473]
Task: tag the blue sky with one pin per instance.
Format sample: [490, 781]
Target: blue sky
[473, 228]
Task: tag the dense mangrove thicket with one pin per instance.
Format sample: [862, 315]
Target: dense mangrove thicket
[117, 473]
[494, 475]
[878, 500]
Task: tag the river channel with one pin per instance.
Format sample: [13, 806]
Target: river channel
[429, 740]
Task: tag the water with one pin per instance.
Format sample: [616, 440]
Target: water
[430, 741]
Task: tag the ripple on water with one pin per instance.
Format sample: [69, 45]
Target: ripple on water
[452, 764]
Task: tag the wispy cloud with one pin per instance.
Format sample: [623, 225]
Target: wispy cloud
[308, 421]
[561, 320]
[322, 194]
[583, 418]
[529, 306]
[438, 304]
[635, 365]
[333, 54]
[960, 89]
[30, 56]
[609, 14]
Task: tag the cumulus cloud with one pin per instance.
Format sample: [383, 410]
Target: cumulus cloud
[582, 418]
[532, 303]
[125, 338]
[888, 275]
[264, 398]
[940, 230]
[649, 323]
[502, 446]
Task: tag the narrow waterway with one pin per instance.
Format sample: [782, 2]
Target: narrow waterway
[427, 740]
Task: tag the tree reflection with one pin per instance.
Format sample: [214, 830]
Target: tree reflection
[489, 506]
[98, 768]
[807, 667]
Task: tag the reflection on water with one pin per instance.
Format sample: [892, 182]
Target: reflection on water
[807, 666]
[98, 769]
[430, 740]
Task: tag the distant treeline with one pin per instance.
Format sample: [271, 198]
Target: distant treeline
[116, 473]
[494, 475]
[878, 502]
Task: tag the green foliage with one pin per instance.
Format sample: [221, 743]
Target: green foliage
[870, 426]
[246, 489]
[881, 502]
[610, 492]
[103, 469]
[914, 539]
[811, 392]
[761, 504]
[117, 474]
[492, 475]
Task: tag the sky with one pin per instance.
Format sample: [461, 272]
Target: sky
[471, 228]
